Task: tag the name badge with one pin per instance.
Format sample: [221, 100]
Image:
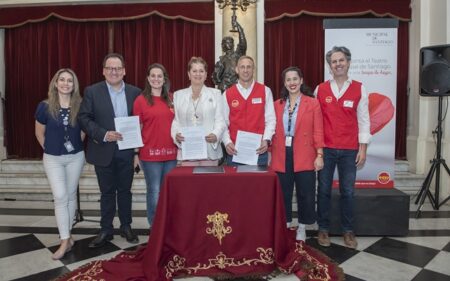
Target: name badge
[348, 103]
[256, 100]
[69, 146]
[289, 141]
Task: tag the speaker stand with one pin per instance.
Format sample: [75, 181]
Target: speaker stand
[79, 213]
[435, 169]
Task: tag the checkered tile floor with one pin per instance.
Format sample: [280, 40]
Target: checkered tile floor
[28, 237]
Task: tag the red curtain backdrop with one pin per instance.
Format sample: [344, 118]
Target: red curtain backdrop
[40, 40]
[402, 90]
[200, 12]
[294, 41]
[169, 42]
[34, 52]
[300, 41]
[276, 9]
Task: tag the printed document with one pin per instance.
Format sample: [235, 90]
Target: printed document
[194, 145]
[246, 145]
[130, 129]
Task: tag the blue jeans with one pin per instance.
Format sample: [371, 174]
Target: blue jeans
[344, 159]
[263, 159]
[154, 173]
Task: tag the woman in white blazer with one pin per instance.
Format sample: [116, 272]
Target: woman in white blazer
[199, 105]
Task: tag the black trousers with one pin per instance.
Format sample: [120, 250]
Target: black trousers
[115, 182]
[305, 187]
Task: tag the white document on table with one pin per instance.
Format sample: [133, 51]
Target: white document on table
[194, 145]
[246, 145]
[130, 129]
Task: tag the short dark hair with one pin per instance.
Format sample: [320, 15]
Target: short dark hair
[337, 49]
[114, 55]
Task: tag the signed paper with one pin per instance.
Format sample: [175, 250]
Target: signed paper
[130, 129]
[194, 145]
[246, 145]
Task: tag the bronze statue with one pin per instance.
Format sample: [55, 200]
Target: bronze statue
[224, 74]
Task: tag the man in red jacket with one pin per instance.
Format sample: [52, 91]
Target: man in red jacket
[346, 125]
[248, 106]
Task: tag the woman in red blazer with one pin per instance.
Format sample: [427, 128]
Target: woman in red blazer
[297, 147]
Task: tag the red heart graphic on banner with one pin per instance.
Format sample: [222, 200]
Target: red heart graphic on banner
[381, 111]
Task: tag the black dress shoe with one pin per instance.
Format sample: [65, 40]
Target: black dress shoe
[100, 240]
[129, 235]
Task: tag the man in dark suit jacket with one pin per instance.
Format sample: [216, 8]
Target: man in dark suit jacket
[102, 102]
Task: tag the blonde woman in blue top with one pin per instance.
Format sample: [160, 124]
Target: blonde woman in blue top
[59, 134]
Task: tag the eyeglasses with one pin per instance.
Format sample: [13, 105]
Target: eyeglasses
[112, 69]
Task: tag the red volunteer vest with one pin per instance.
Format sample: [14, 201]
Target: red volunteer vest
[340, 121]
[246, 115]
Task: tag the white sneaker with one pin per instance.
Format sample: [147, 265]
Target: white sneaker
[301, 233]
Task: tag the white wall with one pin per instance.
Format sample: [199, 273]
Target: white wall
[429, 27]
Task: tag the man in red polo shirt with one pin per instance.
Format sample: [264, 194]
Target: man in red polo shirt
[346, 126]
[248, 106]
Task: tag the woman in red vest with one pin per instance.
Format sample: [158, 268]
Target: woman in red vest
[297, 147]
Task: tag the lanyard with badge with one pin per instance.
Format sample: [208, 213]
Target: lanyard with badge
[67, 143]
[290, 113]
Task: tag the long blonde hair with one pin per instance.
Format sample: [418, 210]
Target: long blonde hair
[53, 97]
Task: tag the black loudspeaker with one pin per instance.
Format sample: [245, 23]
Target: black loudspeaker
[435, 71]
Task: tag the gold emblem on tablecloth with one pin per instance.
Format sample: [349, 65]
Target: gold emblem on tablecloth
[221, 261]
[218, 229]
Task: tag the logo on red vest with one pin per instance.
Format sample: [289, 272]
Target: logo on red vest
[328, 99]
[235, 103]
[384, 177]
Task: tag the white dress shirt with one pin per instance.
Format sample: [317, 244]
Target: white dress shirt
[269, 112]
[362, 111]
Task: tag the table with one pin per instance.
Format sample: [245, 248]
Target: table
[230, 224]
[215, 225]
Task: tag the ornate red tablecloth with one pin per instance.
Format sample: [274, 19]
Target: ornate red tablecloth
[217, 225]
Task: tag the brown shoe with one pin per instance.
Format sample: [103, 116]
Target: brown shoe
[350, 240]
[323, 239]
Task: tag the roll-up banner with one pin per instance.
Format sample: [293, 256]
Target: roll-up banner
[373, 45]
